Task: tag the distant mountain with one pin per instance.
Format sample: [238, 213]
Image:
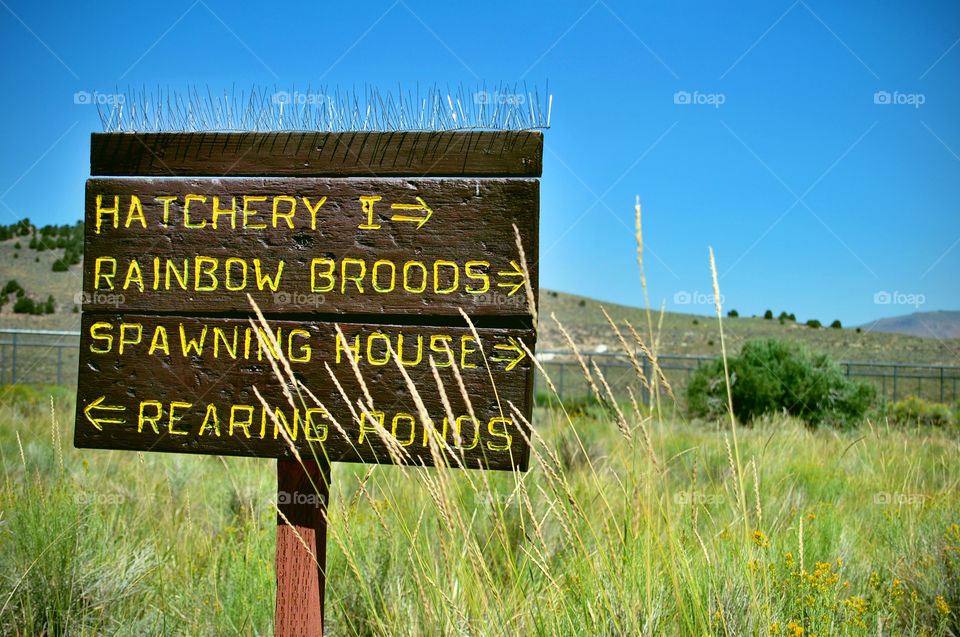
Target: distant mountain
[939, 324]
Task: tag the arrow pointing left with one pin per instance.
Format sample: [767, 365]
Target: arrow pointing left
[510, 346]
[99, 422]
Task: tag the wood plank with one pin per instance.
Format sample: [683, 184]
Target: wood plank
[434, 245]
[303, 492]
[318, 154]
[153, 396]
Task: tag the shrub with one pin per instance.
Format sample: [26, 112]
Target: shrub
[768, 315]
[772, 376]
[814, 323]
[11, 286]
[50, 306]
[582, 303]
[733, 314]
[24, 305]
[914, 411]
[836, 325]
[60, 266]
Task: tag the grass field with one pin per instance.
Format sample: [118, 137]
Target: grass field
[698, 532]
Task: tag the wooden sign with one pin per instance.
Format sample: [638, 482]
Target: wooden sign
[307, 246]
[187, 385]
[362, 251]
[169, 358]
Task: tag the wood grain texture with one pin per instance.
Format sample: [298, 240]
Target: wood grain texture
[302, 496]
[459, 221]
[316, 154]
[178, 391]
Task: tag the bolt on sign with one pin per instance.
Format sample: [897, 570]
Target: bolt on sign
[345, 263]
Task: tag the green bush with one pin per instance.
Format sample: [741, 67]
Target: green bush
[814, 323]
[772, 376]
[837, 325]
[733, 314]
[11, 286]
[914, 411]
[24, 305]
[768, 315]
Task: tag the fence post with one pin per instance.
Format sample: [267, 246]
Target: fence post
[941, 383]
[13, 364]
[59, 363]
[3, 351]
[563, 365]
[883, 379]
[895, 368]
[644, 389]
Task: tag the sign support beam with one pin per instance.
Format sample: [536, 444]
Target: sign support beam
[302, 496]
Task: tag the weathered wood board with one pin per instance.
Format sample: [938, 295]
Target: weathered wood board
[185, 384]
[308, 245]
[352, 154]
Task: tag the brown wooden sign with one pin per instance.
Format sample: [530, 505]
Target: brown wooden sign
[169, 358]
[362, 262]
[352, 154]
[174, 383]
[300, 246]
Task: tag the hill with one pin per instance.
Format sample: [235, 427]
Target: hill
[581, 316]
[698, 335]
[940, 324]
[33, 270]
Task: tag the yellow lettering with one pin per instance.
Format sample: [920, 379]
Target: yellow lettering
[167, 200]
[101, 211]
[231, 351]
[249, 212]
[436, 276]
[97, 273]
[134, 275]
[232, 211]
[464, 350]
[413, 427]
[313, 210]
[367, 204]
[340, 345]
[107, 338]
[406, 277]
[240, 424]
[159, 341]
[499, 434]
[264, 278]
[135, 212]
[171, 267]
[288, 216]
[303, 353]
[243, 268]
[191, 344]
[138, 330]
[374, 276]
[198, 270]
[308, 424]
[378, 416]
[344, 277]
[328, 275]
[419, 357]
[174, 418]
[210, 417]
[144, 418]
[443, 349]
[482, 276]
[186, 211]
[370, 356]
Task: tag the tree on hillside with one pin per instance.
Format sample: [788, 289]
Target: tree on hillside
[768, 315]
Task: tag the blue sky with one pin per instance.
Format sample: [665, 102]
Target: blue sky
[815, 198]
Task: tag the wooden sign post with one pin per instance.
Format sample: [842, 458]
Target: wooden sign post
[360, 249]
